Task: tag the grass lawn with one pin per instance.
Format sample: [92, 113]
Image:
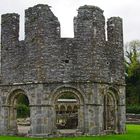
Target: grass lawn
[133, 133]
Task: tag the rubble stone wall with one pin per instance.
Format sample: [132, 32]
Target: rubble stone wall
[44, 65]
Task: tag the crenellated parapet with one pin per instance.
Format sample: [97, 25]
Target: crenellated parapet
[115, 31]
[41, 23]
[9, 46]
[89, 23]
[10, 28]
[115, 49]
[49, 70]
[46, 57]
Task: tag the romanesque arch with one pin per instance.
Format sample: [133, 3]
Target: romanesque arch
[68, 111]
[110, 109]
[11, 102]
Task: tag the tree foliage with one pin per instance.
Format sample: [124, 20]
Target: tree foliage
[23, 109]
[132, 65]
[22, 99]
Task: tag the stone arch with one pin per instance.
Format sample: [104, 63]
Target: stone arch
[57, 108]
[80, 98]
[110, 109]
[15, 93]
[63, 108]
[59, 91]
[75, 108]
[11, 102]
[69, 108]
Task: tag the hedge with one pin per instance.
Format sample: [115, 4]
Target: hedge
[133, 109]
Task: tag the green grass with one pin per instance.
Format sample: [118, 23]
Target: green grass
[18, 138]
[133, 133]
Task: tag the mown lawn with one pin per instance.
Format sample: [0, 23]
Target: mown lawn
[133, 133]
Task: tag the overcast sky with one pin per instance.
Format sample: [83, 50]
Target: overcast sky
[65, 10]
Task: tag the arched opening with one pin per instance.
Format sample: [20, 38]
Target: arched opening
[19, 113]
[110, 111]
[66, 106]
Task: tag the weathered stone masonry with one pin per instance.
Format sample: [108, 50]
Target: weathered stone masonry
[43, 66]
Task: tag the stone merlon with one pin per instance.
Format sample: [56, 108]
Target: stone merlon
[44, 56]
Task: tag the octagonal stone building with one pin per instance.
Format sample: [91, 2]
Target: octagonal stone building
[87, 69]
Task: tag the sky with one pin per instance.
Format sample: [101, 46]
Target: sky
[65, 10]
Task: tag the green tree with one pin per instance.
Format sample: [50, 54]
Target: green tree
[22, 99]
[23, 109]
[132, 65]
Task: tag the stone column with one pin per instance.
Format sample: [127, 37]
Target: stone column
[93, 120]
[42, 120]
[4, 120]
[121, 110]
[81, 118]
[122, 119]
[12, 122]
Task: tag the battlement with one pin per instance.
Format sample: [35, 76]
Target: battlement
[10, 27]
[40, 22]
[89, 12]
[47, 68]
[45, 57]
[89, 22]
[115, 31]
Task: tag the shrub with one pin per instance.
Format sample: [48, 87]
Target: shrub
[133, 109]
[23, 111]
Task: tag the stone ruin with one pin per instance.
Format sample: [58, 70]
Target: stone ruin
[46, 67]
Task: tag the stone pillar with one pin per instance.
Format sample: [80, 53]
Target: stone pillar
[1, 117]
[101, 119]
[12, 120]
[93, 120]
[4, 120]
[94, 110]
[121, 111]
[81, 120]
[42, 120]
[122, 119]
